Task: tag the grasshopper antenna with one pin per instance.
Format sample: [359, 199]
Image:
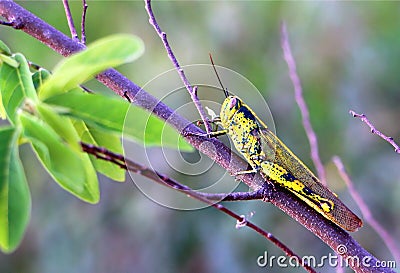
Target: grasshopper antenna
[216, 73]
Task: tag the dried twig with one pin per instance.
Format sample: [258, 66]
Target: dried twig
[298, 93]
[190, 89]
[376, 131]
[132, 166]
[367, 215]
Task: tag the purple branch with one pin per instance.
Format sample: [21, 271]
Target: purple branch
[190, 89]
[298, 93]
[389, 241]
[83, 22]
[70, 20]
[162, 179]
[376, 131]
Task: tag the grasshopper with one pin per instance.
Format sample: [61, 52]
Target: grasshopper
[267, 154]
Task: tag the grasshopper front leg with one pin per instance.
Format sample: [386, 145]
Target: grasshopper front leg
[217, 133]
[216, 121]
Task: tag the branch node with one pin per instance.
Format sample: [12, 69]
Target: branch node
[16, 24]
[242, 222]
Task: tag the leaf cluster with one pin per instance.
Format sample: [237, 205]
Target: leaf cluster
[54, 114]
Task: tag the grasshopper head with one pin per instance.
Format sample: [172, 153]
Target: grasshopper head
[229, 107]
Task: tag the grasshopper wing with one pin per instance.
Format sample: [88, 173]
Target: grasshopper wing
[284, 157]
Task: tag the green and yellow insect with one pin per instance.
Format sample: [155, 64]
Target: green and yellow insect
[266, 153]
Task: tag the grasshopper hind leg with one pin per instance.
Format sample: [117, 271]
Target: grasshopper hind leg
[245, 172]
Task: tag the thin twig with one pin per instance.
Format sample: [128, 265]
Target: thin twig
[83, 22]
[192, 90]
[367, 215]
[298, 93]
[162, 179]
[127, 97]
[34, 66]
[121, 161]
[86, 89]
[376, 131]
[70, 21]
[5, 23]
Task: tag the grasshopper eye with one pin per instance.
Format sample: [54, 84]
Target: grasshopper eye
[234, 103]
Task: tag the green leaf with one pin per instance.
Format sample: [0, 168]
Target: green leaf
[152, 131]
[60, 124]
[102, 54]
[104, 139]
[15, 199]
[109, 113]
[39, 77]
[104, 112]
[4, 48]
[16, 85]
[72, 170]
[8, 60]
[3, 114]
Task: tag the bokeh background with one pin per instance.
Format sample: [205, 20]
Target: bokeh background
[347, 56]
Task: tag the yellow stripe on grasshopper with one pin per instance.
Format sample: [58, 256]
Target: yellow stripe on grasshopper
[281, 176]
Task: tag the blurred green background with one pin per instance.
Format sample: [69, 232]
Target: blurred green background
[348, 57]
